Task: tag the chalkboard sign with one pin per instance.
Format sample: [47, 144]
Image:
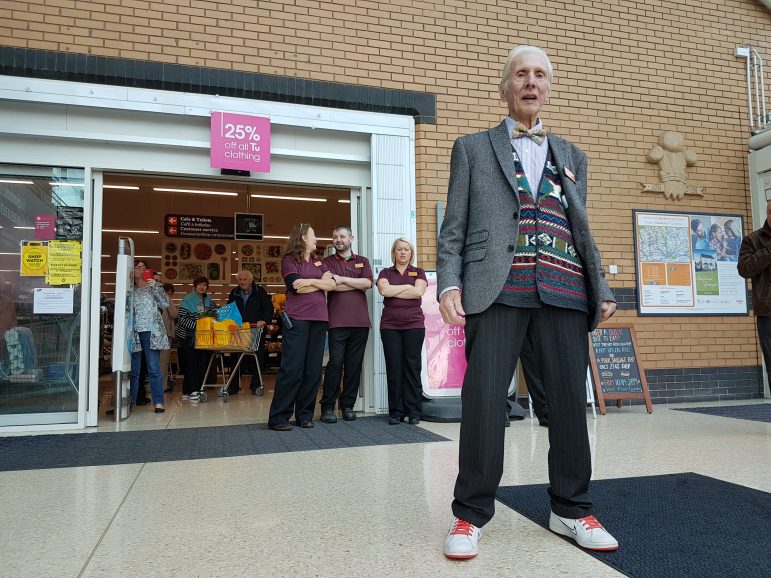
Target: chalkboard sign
[616, 367]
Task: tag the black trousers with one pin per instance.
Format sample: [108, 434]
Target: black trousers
[346, 354]
[764, 335]
[561, 348]
[299, 377]
[247, 367]
[193, 365]
[534, 378]
[402, 350]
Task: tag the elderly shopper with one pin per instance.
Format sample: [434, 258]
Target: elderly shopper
[517, 261]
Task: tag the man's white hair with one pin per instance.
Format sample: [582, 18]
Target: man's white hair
[521, 51]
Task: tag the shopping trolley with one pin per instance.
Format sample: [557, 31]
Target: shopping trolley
[241, 341]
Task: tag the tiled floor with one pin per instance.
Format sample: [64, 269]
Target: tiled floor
[374, 511]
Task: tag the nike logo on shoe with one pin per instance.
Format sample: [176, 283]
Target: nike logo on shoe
[571, 528]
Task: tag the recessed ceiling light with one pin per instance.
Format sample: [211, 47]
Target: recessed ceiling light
[65, 184]
[344, 201]
[279, 197]
[195, 192]
[16, 182]
[30, 228]
[121, 187]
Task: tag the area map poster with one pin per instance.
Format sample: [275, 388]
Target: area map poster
[686, 263]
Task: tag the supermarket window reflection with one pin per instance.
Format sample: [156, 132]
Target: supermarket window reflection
[40, 338]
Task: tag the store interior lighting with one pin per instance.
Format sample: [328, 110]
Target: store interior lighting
[15, 182]
[63, 184]
[121, 187]
[135, 231]
[283, 198]
[196, 192]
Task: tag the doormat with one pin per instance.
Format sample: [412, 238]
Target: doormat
[672, 525]
[754, 412]
[111, 448]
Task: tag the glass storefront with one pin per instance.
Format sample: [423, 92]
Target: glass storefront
[41, 268]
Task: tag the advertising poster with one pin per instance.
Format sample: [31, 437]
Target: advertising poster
[444, 364]
[183, 261]
[64, 263]
[34, 259]
[686, 264]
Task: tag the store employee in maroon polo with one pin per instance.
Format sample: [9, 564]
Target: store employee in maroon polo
[348, 326]
[402, 330]
[305, 323]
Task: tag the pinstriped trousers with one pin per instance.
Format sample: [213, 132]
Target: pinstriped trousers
[561, 347]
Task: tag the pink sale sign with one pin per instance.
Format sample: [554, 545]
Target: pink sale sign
[445, 349]
[240, 141]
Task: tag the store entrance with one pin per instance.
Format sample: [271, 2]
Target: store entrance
[185, 228]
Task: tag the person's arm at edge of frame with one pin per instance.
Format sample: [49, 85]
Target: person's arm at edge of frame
[452, 237]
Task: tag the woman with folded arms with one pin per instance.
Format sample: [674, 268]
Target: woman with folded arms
[402, 331]
[305, 322]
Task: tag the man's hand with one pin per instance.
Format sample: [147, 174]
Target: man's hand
[451, 308]
[608, 309]
[260, 323]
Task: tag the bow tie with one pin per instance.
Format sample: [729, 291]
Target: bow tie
[537, 135]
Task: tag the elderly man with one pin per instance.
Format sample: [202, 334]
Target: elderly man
[517, 262]
[256, 308]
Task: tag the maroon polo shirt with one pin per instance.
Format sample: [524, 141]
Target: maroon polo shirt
[307, 306]
[348, 308]
[402, 313]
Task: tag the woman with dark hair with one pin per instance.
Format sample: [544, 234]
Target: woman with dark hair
[717, 242]
[402, 331]
[733, 240]
[192, 360]
[149, 334]
[305, 324]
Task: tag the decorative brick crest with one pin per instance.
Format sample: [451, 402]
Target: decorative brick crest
[672, 157]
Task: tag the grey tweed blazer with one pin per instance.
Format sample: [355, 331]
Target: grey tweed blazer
[482, 219]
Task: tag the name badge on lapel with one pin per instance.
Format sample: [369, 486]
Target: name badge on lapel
[359, 265]
[317, 263]
[412, 273]
[569, 174]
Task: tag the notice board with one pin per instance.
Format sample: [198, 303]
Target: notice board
[616, 368]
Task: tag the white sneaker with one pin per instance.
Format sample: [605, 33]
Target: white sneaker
[587, 532]
[193, 396]
[462, 540]
[185, 397]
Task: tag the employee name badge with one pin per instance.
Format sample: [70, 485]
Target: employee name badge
[359, 265]
[317, 263]
[412, 273]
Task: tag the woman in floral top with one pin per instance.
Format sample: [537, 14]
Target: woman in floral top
[149, 334]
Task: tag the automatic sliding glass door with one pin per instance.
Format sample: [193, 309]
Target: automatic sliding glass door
[41, 272]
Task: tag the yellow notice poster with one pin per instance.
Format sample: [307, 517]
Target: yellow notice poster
[34, 259]
[64, 262]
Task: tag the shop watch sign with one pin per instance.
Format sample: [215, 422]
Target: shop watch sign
[240, 142]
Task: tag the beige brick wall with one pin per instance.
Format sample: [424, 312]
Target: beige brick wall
[625, 72]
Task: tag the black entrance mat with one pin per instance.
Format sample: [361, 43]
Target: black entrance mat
[673, 525]
[754, 412]
[109, 448]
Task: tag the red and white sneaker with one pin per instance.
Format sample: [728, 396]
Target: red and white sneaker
[587, 532]
[462, 540]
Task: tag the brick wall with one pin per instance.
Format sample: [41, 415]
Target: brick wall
[625, 72]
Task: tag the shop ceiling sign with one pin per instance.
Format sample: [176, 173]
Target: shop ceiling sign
[199, 226]
[240, 142]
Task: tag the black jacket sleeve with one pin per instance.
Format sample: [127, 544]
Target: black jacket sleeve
[266, 306]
